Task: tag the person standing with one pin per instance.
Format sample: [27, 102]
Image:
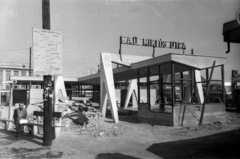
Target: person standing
[19, 113]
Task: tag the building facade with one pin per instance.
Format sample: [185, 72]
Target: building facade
[6, 71]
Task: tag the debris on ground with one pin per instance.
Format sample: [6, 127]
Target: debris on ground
[90, 121]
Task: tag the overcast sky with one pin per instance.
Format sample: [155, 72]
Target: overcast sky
[91, 27]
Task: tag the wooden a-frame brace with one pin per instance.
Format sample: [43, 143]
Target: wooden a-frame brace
[107, 87]
[59, 91]
[132, 89]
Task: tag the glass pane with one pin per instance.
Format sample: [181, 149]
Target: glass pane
[8, 74]
[1, 75]
[154, 88]
[143, 85]
[24, 73]
[167, 98]
[154, 98]
[143, 92]
[15, 73]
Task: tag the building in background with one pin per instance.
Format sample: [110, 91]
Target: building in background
[7, 70]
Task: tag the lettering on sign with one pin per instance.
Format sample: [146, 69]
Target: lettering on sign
[152, 43]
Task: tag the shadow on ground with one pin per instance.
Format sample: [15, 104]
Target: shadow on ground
[114, 155]
[29, 153]
[232, 109]
[10, 136]
[222, 145]
[125, 115]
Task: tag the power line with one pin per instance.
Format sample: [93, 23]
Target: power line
[217, 47]
[80, 62]
[15, 49]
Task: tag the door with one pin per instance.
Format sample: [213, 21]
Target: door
[19, 96]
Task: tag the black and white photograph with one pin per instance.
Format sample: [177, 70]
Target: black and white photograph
[119, 79]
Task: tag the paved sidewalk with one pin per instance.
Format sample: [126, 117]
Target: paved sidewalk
[72, 146]
[29, 147]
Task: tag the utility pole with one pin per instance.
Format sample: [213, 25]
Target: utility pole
[46, 14]
[48, 85]
[30, 74]
[30, 61]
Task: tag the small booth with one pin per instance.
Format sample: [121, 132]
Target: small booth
[169, 88]
[179, 92]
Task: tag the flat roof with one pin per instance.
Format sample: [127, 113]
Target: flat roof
[183, 63]
[38, 80]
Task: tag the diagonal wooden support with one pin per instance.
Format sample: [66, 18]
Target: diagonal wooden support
[206, 93]
[132, 89]
[107, 82]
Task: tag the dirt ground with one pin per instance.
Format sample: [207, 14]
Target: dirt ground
[130, 139]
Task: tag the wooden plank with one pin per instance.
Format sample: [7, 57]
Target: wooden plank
[36, 124]
[54, 114]
[3, 120]
[206, 94]
[32, 124]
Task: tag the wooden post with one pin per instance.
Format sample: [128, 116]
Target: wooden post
[148, 87]
[47, 96]
[173, 83]
[0, 95]
[30, 74]
[206, 94]
[138, 86]
[191, 85]
[162, 91]
[10, 107]
[207, 77]
[120, 48]
[181, 74]
[160, 86]
[223, 84]
[46, 14]
[47, 110]
[30, 61]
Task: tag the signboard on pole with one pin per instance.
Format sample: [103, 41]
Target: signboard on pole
[47, 52]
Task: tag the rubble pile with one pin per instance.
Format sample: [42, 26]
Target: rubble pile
[89, 121]
[99, 130]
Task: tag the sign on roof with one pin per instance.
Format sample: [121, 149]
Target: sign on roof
[152, 42]
[47, 52]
